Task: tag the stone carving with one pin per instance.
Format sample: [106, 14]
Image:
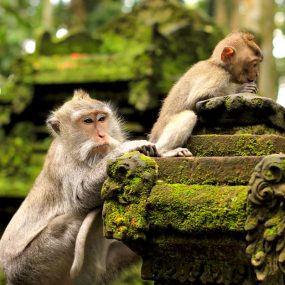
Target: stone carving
[131, 178]
[199, 272]
[265, 224]
[241, 109]
[186, 216]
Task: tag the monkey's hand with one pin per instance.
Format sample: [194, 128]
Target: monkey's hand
[249, 87]
[180, 151]
[142, 146]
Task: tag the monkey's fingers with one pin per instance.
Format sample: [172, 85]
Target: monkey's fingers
[249, 87]
[154, 151]
[149, 150]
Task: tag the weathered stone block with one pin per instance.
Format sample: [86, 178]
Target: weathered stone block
[194, 220]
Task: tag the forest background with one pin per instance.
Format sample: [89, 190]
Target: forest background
[43, 44]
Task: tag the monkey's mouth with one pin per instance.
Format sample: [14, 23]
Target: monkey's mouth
[102, 148]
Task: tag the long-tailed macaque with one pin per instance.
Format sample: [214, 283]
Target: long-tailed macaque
[232, 68]
[55, 237]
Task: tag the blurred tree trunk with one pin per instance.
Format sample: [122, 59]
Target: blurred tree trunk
[226, 14]
[47, 19]
[221, 17]
[79, 10]
[258, 17]
[234, 15]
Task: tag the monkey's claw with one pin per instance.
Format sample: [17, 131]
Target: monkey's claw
[149, 150]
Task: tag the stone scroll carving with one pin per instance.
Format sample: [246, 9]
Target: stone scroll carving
[265, 224]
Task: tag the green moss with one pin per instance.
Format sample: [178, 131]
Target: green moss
[197, 208]
[271, 233]
[271, 174]
[235, 145]
[2, 278]
[131, 178]
[257, 102]
[125, 222]
[132, 276]
[258, 129]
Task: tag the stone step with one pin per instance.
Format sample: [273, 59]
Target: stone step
[207, 170]
[236, 145]
[195, 209]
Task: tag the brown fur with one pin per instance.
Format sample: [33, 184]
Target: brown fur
[232, 68]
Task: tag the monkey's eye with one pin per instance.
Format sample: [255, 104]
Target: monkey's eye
[88, 120]
[101, 117]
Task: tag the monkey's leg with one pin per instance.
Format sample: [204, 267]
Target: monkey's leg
[48, 258]
[175, 134]
[104, 258]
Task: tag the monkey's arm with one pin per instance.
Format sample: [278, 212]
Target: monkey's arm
[175, 133]
[87, 192]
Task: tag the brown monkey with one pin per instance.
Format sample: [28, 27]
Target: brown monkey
[61, 215]
[232, 68]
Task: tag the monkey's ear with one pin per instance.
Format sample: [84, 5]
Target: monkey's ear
[227, 53]
[53, 124]
[80, 94]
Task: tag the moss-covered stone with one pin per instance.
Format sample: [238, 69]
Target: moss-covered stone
[197, 208]
[236, 145]
[241, 109]
[131, 178]
[207, 170]
[186, 233]
[257, 129]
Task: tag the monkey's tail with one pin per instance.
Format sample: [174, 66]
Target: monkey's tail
[79, 250]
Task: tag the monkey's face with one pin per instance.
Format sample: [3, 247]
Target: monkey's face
[249, 71]
[95, 126]
[245, 69]
[240, 55]
[87, 127]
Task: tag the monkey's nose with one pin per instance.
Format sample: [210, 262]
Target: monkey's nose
[100, 135]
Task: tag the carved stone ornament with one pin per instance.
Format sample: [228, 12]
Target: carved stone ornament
[243, 108]
[265, 224]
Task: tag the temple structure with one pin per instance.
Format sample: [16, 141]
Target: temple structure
[216, 217]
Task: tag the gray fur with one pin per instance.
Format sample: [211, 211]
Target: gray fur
[37, 247]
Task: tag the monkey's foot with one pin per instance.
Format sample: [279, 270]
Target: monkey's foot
[180, 151]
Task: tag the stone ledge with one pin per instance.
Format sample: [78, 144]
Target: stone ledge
[207, 170]
[241, 109]
[236, 145]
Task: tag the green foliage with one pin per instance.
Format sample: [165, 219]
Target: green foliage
[20, 163]
[14, 98]
[18, 19]
[132, 276]
[2, 278]
[16, 151]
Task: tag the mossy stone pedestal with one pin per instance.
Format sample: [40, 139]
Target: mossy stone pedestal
[186, 217]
